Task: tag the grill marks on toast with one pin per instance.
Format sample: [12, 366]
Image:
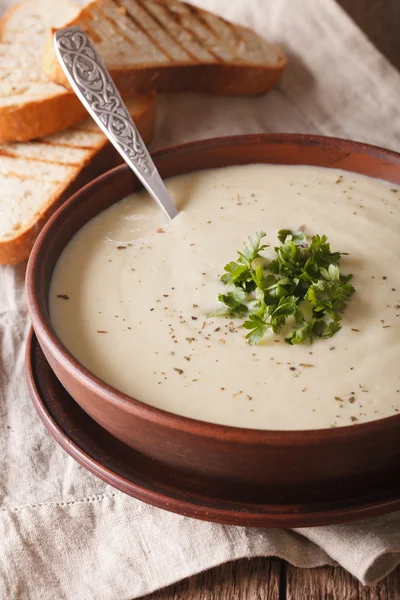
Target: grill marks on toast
[33, 174]
[76, 138]
[140, 20]
[175, 50]
[202, 36]
[127, 25]
[207, 35]
[189, 44]
[41, 171]
[21, 177]
[47, 160]
[191, 19]
[129, 40]
[59, 145]
[164, 33]
[5, 152]
[225, 37]
[193, 29]
[171, 20]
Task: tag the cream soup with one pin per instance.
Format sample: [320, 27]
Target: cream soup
[131, 293]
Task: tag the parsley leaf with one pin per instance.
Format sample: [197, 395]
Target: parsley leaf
[272, 317]
[301, 334]
[324, 330]
[252, 247]
[258, 326]
[241, 272]
[233, 304]
[303, 281]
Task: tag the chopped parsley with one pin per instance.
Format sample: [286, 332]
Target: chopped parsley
[301, 287]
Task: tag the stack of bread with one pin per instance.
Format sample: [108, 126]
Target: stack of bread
[48, 146]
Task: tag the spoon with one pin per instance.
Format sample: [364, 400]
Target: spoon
[94, 87]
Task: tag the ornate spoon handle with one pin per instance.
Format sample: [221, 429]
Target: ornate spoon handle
[94, 87]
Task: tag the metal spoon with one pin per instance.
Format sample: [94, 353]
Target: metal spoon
[94, 87]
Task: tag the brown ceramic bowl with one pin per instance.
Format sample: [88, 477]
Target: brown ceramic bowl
[286, 465]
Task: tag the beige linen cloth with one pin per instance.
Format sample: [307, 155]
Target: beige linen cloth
[65, 534]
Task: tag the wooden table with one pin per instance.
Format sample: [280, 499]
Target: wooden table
[274, 579]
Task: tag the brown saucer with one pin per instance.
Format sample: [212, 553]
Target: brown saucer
[164, 487]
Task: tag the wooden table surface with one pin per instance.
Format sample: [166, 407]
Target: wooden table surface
[271, 578]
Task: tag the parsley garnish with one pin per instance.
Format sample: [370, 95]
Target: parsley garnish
[302, 283]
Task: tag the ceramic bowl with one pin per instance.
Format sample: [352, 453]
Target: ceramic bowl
[285, 465]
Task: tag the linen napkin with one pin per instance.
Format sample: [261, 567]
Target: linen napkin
[64, 534]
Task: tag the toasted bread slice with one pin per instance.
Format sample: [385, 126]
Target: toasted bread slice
[30, 105]
[170, 46]
[36, 177]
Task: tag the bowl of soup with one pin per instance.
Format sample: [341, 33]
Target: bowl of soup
[123, 304]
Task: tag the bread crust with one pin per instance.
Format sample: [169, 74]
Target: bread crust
[233, 80]
[17, 249]
[37, 118]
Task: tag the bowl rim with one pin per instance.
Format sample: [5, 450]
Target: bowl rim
[160, 416]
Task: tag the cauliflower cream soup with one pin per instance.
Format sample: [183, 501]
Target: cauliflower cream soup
[132, 294]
